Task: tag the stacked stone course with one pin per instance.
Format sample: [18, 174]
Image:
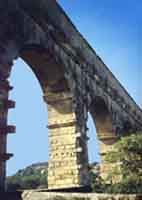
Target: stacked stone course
[66, 167]
[5, 104]
[43, 36]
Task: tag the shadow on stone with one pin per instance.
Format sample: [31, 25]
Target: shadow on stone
[86, 189]
[43, 195]
[11, 195]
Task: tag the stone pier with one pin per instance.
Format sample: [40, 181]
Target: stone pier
[74, 80]
[68, 164]
[106, 146]
[5, 104]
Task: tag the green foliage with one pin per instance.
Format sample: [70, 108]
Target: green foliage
[27, 179]
[128, 153]
[97, 183]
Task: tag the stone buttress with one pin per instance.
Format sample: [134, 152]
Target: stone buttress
[5, 104]
[68, 164]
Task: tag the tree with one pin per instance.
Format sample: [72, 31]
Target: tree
[30, 178]
[128, 152]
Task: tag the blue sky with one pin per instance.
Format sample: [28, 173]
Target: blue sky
[114, 30]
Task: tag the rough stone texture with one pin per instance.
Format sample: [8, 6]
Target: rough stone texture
[77, 196]
[66, 168]
[43, 36]
[35, 195]
[5, 104]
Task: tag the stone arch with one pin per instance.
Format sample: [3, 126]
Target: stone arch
[67, 167]
[107, 135]
[102, 118]
[43, 64]
[55, 93]
[30, 117]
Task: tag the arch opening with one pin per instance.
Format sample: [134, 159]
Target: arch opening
[93, 143]
[66, 168]
[53, 87]
[30, 118]
[103, 120]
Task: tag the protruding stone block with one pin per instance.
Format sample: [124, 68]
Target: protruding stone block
[9, 104]
[4, 85]
[5, 157]
[7, 129]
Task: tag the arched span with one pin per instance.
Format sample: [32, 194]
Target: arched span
[30, 117]
[102, 119]
[49, 73]
[104, 126]
[68, 164]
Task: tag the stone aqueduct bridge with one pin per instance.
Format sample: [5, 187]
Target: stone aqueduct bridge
[74, 81]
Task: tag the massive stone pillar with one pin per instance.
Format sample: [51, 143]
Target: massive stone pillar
[5, 104]
[106, 131]
[109, 133]
[107, 142]
[68, 164]
[108, 171]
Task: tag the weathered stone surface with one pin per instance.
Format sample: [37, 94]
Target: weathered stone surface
[35, 195]
[74, 81]
[66, 169]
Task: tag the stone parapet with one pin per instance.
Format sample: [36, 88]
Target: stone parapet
[43, 195]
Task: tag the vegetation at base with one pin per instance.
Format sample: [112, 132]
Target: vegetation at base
[128, 153]
[33, 177]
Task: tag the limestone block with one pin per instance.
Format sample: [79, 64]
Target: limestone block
[43, 195]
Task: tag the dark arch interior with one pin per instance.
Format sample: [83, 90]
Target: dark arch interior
[102, 119]
[48, 72]
[99, 107]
